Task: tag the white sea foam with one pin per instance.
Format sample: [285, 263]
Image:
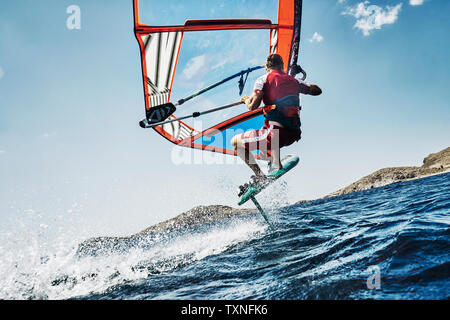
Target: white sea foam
[35, 267]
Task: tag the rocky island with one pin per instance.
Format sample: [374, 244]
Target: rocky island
[435, 163]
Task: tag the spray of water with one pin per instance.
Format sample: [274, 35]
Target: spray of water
[35, 265]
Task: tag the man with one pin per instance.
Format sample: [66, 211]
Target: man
[280, 94]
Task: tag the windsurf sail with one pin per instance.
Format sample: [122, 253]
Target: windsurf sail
[164, 47]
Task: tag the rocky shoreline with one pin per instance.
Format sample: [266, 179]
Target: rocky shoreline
[196, 216]
[436, 163]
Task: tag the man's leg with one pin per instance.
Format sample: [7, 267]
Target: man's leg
[246, 155]
[275, 149]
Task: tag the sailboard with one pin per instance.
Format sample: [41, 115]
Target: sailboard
[288, 163]
[163, 48]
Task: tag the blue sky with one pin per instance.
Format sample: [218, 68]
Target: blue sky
[71, 149]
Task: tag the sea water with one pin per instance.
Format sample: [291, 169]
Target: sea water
[385, 243]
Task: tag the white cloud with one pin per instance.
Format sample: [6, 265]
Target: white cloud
[316, 38]
[2, 73]
[194, 66]
[372, 17]
[415, 2]
[220, 64]
[47, 135]
[254, 61]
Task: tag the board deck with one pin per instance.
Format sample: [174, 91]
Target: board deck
[288, 163]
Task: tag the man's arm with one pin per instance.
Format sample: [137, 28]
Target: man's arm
[310, 89]
[254, 101]
[315, 90]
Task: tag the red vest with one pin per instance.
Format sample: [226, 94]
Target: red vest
[283, 90]
[278, 85]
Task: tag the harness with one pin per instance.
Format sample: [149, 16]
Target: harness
[286, 111]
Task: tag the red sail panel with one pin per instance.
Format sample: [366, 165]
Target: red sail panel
[286, 17]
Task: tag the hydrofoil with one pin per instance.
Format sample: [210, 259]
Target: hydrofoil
[288, 163]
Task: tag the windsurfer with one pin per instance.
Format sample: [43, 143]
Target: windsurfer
[280, 94]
